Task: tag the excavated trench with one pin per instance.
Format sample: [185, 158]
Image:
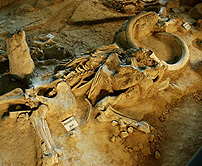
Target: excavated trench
[130, 101]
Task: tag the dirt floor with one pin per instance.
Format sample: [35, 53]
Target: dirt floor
[80, 27]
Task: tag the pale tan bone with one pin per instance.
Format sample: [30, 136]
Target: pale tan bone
[85, 67]
[113, 76]
[184, 52]
[61, 104]
[16, 114]
[13, 97]
[143, 87]
[81, 71]
[111, 114]
[102, 79]
[146, 25]
[32, 92]
[133, 39]
[60, 107]
[40, 124]
[42, 88]
[88, 114]
[41, 44]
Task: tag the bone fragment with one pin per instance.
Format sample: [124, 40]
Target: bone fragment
[13, 97]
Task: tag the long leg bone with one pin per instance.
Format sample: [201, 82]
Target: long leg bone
[60, 106]
[43, 131]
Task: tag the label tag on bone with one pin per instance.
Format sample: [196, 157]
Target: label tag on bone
[176, 10]
[186, 25]
[50, 36]
[70, 123]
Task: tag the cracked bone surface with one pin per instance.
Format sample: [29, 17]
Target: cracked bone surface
[20, 61]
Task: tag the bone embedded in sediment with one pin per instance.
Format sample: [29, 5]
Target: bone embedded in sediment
[41, 42]
[60, 73]
[37, 119]
[72, 78]
[107, 49]
[100, 82]
[16, 114]
[163, 85]
[126, 77]
[20, 61]
[13, 93]
[102, 79]
[13, 97]
[109, 115]
[40, 124]
[60, 107]
[144, 127]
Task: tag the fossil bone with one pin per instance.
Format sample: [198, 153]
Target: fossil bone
[20, 61]
[139, 31]
[140, 84]
[40, 124]
[60, 107]
[84, 68]
[13, 97]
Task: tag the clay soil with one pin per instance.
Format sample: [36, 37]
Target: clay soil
[82, 26]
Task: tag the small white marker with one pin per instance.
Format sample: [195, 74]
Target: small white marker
[50, 36]
[186, 26]
[176, 10]
[70, 123]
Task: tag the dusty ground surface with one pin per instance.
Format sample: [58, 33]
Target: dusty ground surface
[81, 26]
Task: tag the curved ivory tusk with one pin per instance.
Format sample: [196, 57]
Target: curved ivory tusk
[184, 53]
[134, 24]
[135, 29]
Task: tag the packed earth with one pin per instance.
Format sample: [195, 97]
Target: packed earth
[100, 82]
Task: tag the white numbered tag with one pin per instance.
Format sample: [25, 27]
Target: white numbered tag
[50, 36]
[70, 123]
[186, 26]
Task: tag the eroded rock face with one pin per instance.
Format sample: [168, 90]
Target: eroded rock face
[20, 61]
